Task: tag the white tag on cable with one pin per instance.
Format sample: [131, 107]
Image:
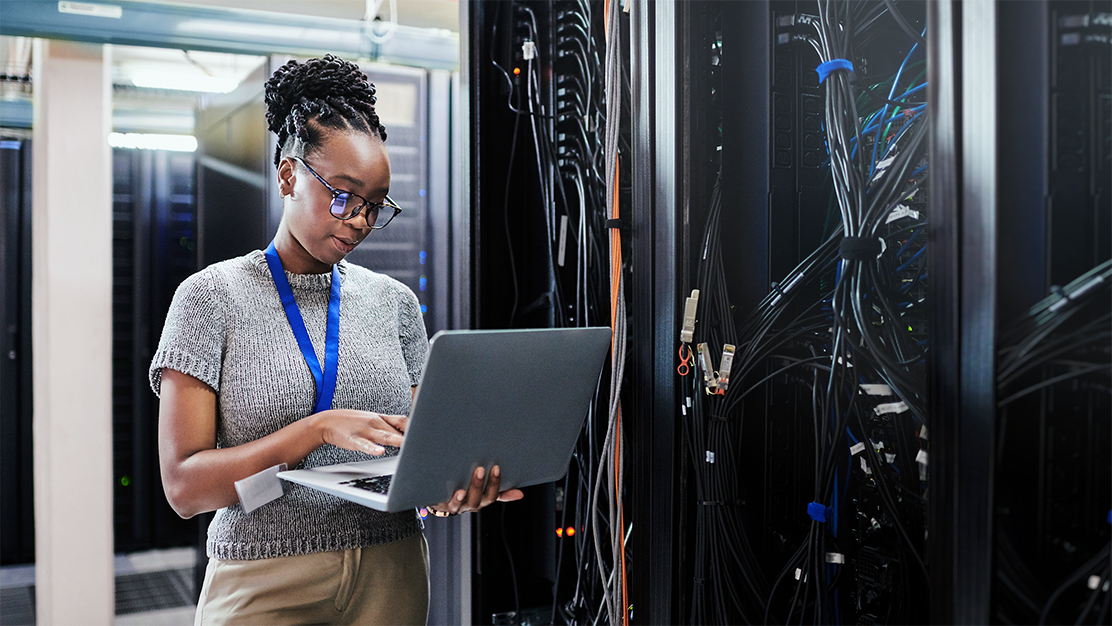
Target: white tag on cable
[891, 407]
[563, 240]
[835, 557]
[921, 457]
[891, 458]
[529, 51]
[1094, 582]
[710, 457]
[258, 489]
[865, 466]
[880, 167]
[923, 431]
[798, 573]
[901, 211]
[857, 448]
[876, 390]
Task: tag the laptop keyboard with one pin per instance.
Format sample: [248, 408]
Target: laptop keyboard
[377, 484]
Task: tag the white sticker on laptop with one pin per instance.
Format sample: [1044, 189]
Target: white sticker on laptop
[258, 489]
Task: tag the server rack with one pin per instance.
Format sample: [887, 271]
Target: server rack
[18, 521]
[153, 249]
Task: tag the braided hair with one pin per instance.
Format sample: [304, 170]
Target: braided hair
[304, 101]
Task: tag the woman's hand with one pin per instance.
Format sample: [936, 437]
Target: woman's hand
[477, 496]
[361, 431]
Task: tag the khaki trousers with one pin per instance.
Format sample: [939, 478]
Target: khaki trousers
[386, 584]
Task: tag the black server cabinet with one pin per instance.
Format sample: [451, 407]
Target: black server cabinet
[153, 250]
[17, 524]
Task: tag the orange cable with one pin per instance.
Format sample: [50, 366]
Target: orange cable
[615, 277]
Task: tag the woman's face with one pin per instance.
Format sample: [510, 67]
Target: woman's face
[349, 161]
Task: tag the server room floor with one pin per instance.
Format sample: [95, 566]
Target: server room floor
[153, 588]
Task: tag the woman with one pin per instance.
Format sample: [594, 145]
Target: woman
[242, 389]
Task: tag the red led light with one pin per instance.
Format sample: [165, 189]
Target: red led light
[517, 70]
[559, 532]
[570, 531]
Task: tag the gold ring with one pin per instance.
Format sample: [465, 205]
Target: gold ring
[440, 513]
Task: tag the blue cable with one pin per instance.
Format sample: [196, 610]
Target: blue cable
[891, 94]
[908, 242]
[912, 259]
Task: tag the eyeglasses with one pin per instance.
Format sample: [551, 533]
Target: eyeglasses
[346, 205]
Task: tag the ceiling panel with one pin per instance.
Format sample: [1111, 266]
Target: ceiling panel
[419, 13]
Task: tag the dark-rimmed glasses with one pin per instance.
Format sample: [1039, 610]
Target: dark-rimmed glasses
[346, 205]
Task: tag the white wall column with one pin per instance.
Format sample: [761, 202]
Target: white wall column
[71, 295]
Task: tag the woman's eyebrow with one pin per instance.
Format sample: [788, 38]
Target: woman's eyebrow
[351, 179]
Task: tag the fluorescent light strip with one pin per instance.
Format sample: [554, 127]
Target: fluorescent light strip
[181, 81]
[145, 141]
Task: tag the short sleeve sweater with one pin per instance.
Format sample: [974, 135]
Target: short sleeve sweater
[226, 327]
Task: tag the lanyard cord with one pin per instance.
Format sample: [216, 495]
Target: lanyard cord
[326, 379]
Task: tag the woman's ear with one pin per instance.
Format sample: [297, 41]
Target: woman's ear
[286, 177]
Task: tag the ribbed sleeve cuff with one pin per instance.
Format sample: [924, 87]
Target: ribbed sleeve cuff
[202, 370]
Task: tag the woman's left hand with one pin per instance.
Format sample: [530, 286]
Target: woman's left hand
[477, 496]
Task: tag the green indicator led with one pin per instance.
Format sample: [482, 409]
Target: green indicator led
[125, 481]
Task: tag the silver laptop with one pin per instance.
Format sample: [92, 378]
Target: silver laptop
[512, 398]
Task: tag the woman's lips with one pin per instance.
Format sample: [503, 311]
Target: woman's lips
[344, 245]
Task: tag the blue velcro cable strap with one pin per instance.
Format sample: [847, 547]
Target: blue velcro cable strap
[817, 511]
[824, 69]
[1110, 516]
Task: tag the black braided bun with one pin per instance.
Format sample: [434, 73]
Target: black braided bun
[305, 101]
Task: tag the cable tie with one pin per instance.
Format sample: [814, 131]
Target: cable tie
[861, 248]
[719, 502]
[817, 511]
[614, 223]
[710, 456]
[835, 557]
[832, 65]
[719, 418]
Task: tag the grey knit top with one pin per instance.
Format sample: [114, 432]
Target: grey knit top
[226, 327]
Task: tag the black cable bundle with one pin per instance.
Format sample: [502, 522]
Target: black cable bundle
[562, 103]
[1053, 361]
[842, 330]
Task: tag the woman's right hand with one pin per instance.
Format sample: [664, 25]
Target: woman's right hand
[361, 431]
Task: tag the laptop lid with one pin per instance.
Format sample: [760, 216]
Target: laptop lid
[513, 398]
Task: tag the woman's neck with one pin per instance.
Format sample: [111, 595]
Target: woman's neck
[295, 258]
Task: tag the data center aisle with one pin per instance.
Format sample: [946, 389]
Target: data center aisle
[153, 588]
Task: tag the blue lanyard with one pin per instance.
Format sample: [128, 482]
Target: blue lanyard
[326, 380]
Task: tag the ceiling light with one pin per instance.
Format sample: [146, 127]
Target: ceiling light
[145, 141]
[183, 82]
